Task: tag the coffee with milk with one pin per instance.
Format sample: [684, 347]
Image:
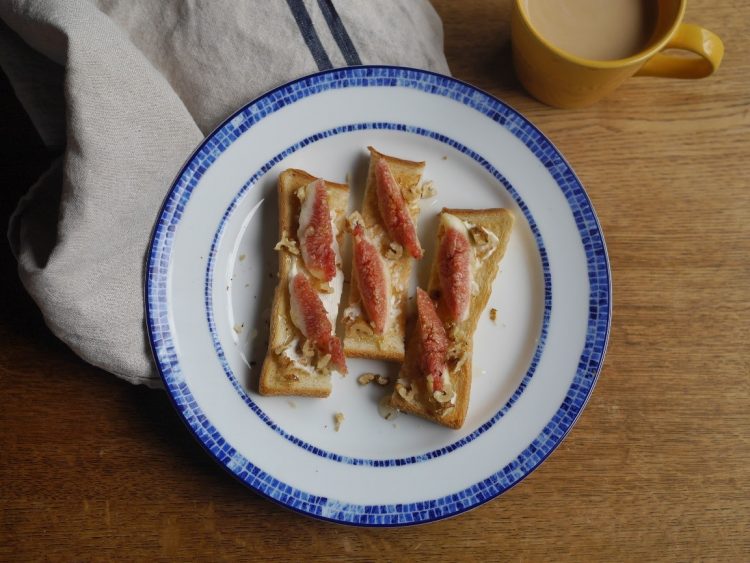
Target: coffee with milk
[595, 29]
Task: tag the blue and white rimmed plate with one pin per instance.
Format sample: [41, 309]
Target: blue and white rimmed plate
[211, 275]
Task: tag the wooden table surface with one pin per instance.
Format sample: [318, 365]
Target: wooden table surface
[657, 466]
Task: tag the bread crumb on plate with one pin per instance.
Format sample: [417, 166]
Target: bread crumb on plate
[338, 419]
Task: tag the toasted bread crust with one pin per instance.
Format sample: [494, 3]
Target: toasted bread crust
[359, 341]
[499, 222]
[277, 378]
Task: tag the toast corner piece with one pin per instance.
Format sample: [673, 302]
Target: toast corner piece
[454, 418]
[499, 219]
[417, 166]
[410, 396]
[276, 380]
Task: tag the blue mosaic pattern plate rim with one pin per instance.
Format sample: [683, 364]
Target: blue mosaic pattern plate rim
[161, 339]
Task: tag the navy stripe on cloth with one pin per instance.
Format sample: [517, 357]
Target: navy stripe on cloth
[302, 17]
[339, 32]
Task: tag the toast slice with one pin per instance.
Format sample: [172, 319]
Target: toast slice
[291, 366]
[488, 232]
[360, 340]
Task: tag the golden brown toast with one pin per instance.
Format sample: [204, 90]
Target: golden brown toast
[282, 372]
[411, 394]
[360, 341]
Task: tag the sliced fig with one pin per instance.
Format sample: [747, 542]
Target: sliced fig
[374, 286]
[433, 341]
[454, 267]
[394, 211]
[310, 317]
[315, 233]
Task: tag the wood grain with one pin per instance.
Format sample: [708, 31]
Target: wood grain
[656, 468]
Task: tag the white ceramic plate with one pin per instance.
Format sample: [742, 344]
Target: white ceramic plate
[211, 274]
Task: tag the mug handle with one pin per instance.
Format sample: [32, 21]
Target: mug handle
[693, 38]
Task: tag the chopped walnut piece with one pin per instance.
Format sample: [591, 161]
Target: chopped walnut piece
[323, 363]
[307, 353]
[443, 396]
[406, 393]
[414, 192]
[290, 245]
[484, 241]
[479, 235]
[428, 189]
[453, 331]
[338, 418]
[493, 314]
[351, 313]
[366, 378]
[457, 355]
[457, 362]
[363, 329]
[355, 219]
[394, 251]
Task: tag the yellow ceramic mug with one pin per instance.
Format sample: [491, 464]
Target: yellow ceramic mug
[564, 80]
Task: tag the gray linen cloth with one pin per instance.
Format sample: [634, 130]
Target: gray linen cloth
[129, 88]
